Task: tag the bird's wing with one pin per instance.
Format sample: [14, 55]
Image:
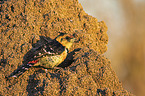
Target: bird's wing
[45, 46]
[51, 48]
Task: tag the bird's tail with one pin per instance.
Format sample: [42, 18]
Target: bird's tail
[22, 69]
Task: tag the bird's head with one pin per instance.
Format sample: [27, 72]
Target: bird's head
[66, 40]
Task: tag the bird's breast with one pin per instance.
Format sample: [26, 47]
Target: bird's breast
[52, 61]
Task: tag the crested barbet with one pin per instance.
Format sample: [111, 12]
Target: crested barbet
[49, 54]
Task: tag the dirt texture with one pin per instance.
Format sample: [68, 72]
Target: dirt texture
[86, 71]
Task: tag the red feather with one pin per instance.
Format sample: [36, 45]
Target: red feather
[34, 61]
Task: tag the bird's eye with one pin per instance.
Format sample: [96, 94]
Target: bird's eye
[67, 38]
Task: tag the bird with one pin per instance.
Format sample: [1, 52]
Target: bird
[48, 53]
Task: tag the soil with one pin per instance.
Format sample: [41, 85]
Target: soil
[84, 72]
